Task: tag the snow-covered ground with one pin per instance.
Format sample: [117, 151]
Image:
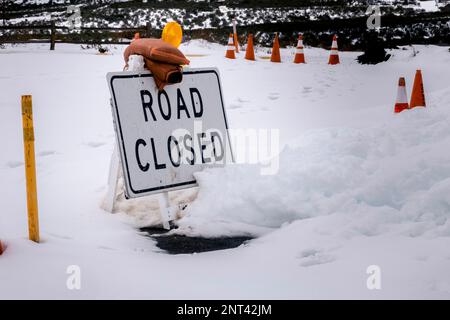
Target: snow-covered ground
[357, 184]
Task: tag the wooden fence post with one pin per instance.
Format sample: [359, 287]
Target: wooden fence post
[30, 168]
[52, 36]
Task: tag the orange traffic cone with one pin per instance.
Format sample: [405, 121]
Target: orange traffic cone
[250, 51]
[275, 57]
[299, 54]
[417, 94]
[230, 48]
[402, 98]
[334, 54]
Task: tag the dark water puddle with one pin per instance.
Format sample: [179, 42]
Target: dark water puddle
[181, 244]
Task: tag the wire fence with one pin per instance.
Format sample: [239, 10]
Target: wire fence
[425, 28]
[53, 34]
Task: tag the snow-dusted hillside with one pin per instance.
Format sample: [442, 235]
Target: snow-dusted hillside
[357, 184]
[197, 14]
[419, 22]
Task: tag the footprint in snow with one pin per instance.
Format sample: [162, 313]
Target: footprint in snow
[242, 100]
[239, 103]
[46, 153]
[306, 90]
[234, 106]
[95, 144]
[14, 164]
[274, 96]
[105, 248]
[312, 257]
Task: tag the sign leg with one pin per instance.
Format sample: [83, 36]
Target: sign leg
[114, 170]
[164, 209]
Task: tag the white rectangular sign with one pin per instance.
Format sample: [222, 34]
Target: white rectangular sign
[166, 136]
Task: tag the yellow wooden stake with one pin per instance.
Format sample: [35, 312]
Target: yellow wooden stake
[30, 168]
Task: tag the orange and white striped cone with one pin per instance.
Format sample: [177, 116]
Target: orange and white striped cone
[402, 98]
[299, 54]
[417, 94]
[235, 36]
[230, 48]
[334, 53]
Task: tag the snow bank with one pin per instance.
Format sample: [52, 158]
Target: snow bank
[396, 173]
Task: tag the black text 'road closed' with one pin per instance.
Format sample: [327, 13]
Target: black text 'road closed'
[166, 136]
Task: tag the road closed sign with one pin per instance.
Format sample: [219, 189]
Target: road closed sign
[164, 137]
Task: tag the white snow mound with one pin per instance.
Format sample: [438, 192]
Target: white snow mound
[393, 173]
